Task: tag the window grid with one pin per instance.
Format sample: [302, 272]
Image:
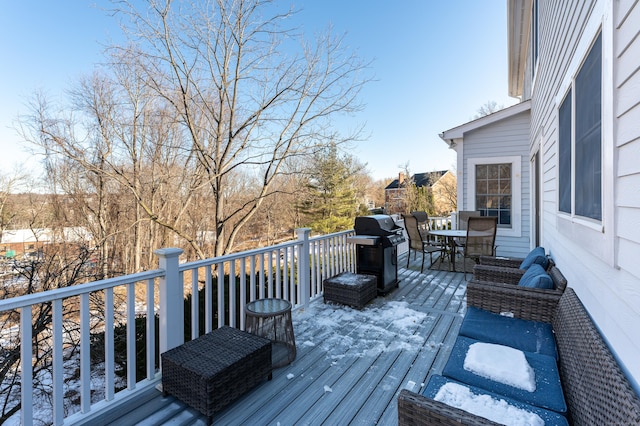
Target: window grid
[493, 191]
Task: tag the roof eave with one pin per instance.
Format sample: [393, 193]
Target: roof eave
[519, 25]
[449, 136]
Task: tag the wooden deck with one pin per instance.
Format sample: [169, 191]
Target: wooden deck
[350, 365]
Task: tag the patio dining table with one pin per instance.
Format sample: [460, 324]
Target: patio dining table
[450, 235]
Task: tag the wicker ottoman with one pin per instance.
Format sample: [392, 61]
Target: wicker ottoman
[350, 289]
[210, 372]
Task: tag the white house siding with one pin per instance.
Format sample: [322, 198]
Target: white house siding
[601, 260]
[505, 138]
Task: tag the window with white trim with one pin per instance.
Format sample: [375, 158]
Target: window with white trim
[495, 189]
[493, 192]
[580, 141]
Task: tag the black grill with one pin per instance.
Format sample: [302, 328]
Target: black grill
[376, 240]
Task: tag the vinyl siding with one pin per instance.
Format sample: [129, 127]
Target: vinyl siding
[600, 260]
[508, 137]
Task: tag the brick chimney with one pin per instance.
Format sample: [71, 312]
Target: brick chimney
[400, 178]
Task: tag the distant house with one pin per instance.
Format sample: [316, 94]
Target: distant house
[19, 243]
[438, 182]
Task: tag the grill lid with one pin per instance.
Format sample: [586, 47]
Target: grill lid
[377, 224]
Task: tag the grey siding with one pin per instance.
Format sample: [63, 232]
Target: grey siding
[600, 260]
[508, 137]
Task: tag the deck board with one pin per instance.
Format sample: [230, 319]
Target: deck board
[332, 381]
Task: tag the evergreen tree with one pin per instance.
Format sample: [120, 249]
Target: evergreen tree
[330, 203]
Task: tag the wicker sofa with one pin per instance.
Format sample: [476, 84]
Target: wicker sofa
[595, 389]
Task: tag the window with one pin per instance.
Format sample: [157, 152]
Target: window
[493, 191]
[580, 141]
[564, 155]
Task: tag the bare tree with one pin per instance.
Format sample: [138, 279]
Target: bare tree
[488, 108]
[245, 101]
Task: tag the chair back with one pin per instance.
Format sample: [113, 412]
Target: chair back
[463, 217]
[423, 220]
[481, 236]
[413, 232]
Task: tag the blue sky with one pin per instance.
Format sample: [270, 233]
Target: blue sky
[434, 64]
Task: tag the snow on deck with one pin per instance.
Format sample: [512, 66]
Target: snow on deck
[350, 364]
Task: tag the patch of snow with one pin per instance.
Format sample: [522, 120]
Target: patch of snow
[327, 389]
[501, 364]
[499, 411]
[290, 376]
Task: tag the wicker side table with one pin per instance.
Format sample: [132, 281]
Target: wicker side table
[210, 372]
[271, 318]
[350, 289]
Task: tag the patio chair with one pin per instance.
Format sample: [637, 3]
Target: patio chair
[463, 218]
[419, 241]
[424, 225]
[480, 240]
[423, 219]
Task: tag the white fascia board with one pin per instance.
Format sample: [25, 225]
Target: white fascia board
[458, 132]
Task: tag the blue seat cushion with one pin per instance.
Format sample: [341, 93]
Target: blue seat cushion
[535, 256]
[536, 277]
[548, 393]
[529, 336]
[549, 417]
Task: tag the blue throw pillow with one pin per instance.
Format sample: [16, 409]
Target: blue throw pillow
[549, 417]
[535, 256]
[536, 277]
[548, 393]
[529, 336]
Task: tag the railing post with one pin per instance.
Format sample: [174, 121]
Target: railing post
[454, 220]
[171, 300]
[304, 280]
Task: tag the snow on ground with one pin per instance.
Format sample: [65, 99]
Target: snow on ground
[344, 331]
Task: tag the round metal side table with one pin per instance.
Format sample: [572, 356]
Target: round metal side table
[271, 318]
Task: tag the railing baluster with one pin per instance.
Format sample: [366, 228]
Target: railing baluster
[151, 330]
[131, 336]
[270, 272]
[208, 300]
[278, 274]
[109, 359]
[85, 354]
[221, 301]
[261, 275]
[26, 358]
[252, 276]
[232, 294]
[58, 364]
[195, 304]
[285, 273]
[243, 290]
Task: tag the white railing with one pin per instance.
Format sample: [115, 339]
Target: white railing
[293, 271]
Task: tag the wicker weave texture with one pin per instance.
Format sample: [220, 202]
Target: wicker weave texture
[210, 372]
[498, 274]
[596, 390]
[350, 289]
[505, 262]
[414, 410]
[527, 303]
